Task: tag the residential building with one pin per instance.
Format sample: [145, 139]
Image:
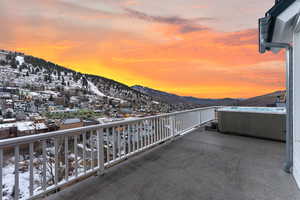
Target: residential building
[71, 123]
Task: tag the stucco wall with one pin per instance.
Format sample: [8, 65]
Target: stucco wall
[297, 107]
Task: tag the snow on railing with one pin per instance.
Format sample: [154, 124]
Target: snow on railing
[35, 165]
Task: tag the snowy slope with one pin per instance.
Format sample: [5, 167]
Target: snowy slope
[95, 90]
[20, 59]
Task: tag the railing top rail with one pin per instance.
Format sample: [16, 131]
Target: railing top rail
[32, 138]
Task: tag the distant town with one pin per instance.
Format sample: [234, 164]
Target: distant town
[37, 96]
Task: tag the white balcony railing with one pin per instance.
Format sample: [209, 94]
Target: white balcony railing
[34, 165]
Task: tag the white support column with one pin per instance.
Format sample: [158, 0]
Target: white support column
[296, 118]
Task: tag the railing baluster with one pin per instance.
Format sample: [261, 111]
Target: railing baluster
[56, 161]
[129, 138]
[16, 192]
[155, 129]
[161, 129]
[177, 125]
[119, 142]
[76, 154]
[134, 137]
[114, 143]
[152, 131]
[1, 173]
[107, 145]
[66, 158]
[138, 135]
[167, 127]
[143, 135]
[92, 149]
[123, 142]
[164, 128]
[100, 150]
[31, 169]
[158, 129]
[84, 151]
[148, 133]
[44, 172]
[126, 143]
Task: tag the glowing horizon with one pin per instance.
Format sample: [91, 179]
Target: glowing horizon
[201, 49]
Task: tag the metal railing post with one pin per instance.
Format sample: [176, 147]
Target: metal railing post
[172, 123]
[100, 151]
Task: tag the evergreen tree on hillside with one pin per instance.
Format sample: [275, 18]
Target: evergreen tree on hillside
[51, 98]
[63, 81]
[14, 63]
[84, 82]
[49, 78]
[3, 62]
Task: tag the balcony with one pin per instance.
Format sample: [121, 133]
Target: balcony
[162, 157]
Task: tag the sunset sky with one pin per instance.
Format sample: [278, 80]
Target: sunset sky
[203, 48]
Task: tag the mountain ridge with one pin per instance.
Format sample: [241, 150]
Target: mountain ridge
[117, 90]
[174, 98]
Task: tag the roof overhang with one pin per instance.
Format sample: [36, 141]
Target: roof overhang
[285, 24]
[279, 23]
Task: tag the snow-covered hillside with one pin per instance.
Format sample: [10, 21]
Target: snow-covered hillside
[27, 72]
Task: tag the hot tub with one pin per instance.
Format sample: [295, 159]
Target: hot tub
[262, 122]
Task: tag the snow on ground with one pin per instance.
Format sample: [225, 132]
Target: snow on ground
[95, 90]
[20, 59]
[8, 176]
[155, 102]
[9, 182]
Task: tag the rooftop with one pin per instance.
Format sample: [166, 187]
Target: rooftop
[71, 121]
[199, 165]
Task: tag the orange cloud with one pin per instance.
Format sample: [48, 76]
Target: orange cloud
[170, 54]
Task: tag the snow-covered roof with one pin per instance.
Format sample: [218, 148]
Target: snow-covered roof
[25, 126]
[40, 126]
[71, 121]
[9, 120]
[34, 94]
[8, 125]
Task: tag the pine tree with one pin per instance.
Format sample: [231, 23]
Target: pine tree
[63, 81]
[51, 98]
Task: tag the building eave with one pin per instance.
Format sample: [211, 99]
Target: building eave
[274, 12]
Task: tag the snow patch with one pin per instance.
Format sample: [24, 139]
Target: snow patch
[155, 102]
[20, 59]
[95, 90]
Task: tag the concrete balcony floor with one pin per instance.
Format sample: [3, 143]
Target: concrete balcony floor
[200, 165]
